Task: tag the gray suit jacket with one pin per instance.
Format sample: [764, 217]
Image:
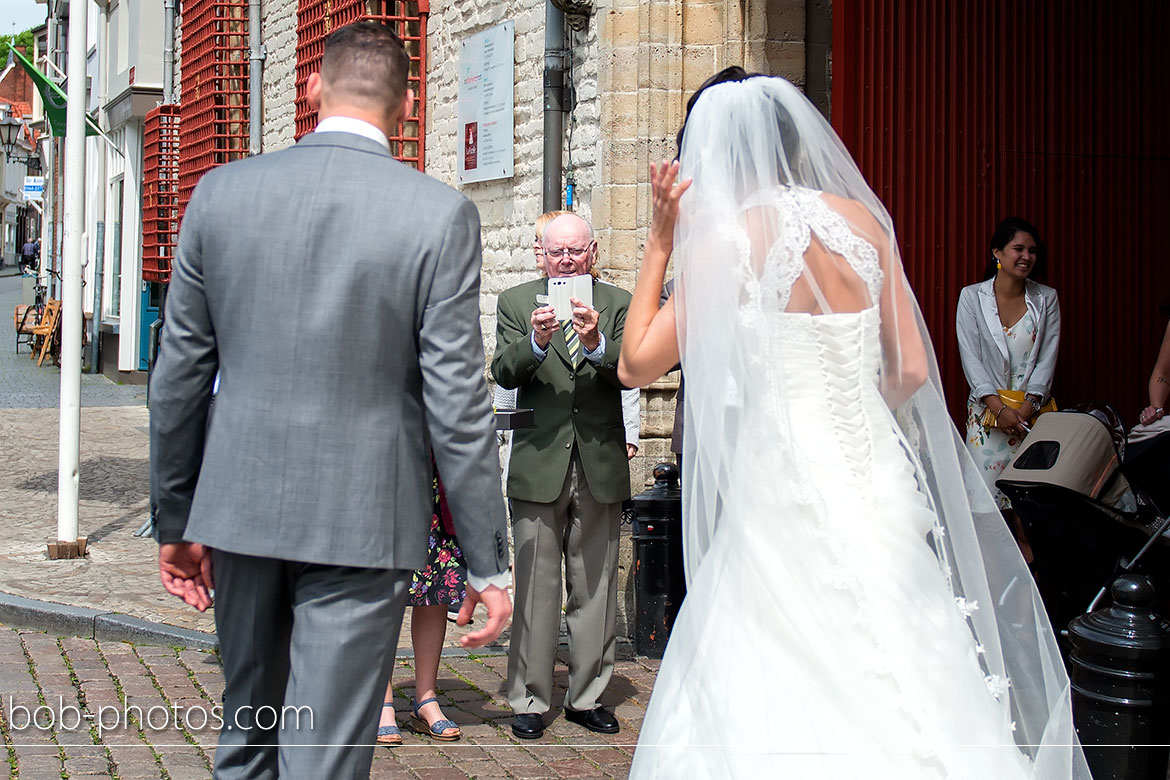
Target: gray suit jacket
[336, 291]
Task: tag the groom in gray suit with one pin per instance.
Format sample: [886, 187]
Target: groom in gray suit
[336, 293]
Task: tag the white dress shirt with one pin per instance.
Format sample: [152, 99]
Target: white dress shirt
[348, 124]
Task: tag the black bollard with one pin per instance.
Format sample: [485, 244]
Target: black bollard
[659, 583]
[1118, 672]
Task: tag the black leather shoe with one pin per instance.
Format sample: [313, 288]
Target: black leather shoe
[528, 725]
[597, 719]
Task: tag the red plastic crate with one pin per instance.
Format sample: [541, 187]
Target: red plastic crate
[214, 98]
[160, 192]
[316, 19]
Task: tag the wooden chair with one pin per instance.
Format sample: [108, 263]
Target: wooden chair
[24, 317]
[46, 328]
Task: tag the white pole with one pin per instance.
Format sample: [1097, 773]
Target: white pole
[70, 427]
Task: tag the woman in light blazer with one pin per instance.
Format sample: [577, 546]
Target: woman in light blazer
[1009, 333]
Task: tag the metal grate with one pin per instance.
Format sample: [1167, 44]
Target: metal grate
[317, 18]
[160, 192]
[214, 99]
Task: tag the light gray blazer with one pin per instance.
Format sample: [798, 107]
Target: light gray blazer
[983, 348]
[336, 291]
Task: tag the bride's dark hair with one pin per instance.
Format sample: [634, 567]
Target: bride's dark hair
[734, 73]
[790, 149]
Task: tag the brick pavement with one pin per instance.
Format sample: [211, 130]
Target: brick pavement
[133, 712]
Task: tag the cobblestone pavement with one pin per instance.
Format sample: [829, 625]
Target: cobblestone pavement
[116, 710]
[119, 574]
[25, 385]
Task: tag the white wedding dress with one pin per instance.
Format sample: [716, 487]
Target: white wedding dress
[856, 606]
[819, 638]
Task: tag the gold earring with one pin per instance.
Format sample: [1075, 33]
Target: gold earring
[997, 265]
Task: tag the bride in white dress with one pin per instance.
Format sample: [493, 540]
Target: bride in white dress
[856, 607]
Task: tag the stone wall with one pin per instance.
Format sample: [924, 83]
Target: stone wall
[278, 19]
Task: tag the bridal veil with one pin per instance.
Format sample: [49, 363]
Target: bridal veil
[754, 149]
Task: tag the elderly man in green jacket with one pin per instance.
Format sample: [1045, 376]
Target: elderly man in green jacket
[567, 479]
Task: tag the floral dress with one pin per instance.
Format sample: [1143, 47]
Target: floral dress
[443, 580]
[992, 448]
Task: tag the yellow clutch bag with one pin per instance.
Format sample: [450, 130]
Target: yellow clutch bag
[1015, 399]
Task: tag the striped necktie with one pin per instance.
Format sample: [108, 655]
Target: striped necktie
[573, 343]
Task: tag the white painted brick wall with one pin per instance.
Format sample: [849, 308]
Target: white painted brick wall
[278, 19]
[507, 207]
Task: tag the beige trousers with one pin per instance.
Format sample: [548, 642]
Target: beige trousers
[585, 534]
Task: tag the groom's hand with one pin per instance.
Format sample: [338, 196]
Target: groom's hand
[185, 570]
[499, 609]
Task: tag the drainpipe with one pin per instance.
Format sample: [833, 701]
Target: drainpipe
[256, 57]
[49, 218]
[556, 54]
[168, 99]
[168, 52]
[99, 195]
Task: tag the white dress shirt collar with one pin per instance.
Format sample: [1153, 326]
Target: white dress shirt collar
[348, 124]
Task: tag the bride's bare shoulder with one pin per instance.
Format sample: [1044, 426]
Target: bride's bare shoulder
[856, 213]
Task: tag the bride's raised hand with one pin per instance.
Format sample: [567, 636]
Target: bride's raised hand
[666, 191]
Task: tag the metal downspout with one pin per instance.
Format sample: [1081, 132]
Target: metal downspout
[255, 78]
[168, 52]
[99, 200]
[555, 55]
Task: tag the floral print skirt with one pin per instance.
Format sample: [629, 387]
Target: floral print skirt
[443, 580]
[992, 450]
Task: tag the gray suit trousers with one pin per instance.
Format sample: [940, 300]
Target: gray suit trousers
[585, 532]
[307, 651]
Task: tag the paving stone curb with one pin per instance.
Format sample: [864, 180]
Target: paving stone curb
[22, 612]
[61, 619]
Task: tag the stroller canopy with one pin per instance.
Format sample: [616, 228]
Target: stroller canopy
[1071, 450]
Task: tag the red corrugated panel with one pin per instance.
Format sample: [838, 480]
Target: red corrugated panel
[961, 113]
[214, 97]
[160, 192]
[317, 18]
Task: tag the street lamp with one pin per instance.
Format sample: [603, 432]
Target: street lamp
[11, 130]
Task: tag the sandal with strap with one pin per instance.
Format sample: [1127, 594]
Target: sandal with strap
[391, 734]
[441, 730]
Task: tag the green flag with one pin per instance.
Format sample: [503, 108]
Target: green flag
[54, 99]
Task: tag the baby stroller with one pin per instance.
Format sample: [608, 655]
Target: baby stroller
[1086, 519]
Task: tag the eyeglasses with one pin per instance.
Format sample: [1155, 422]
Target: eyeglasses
[574, 252]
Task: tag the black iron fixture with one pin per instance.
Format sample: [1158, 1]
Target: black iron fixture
[577, 12]
[11, 130]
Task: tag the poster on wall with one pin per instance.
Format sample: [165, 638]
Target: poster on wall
[486, 78]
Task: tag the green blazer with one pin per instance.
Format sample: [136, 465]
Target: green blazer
[581, 407]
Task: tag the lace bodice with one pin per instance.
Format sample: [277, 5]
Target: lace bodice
[801, 213]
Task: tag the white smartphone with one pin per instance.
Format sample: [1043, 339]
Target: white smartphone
[564, 288]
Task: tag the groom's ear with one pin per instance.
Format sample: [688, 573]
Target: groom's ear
[313, 91]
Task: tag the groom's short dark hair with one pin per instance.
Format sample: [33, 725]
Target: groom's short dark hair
[367, 62]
